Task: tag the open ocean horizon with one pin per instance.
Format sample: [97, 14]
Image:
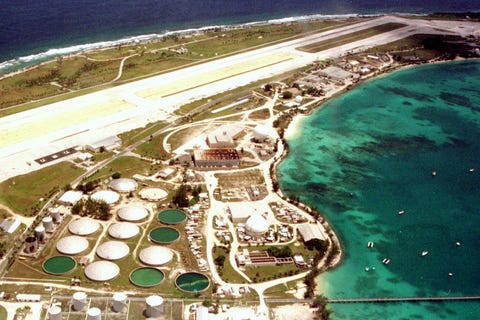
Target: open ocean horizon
[37, 31]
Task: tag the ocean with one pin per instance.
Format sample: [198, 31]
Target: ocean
[367, 156]
[36, 31]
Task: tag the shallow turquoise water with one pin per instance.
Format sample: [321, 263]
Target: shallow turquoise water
[370, 153]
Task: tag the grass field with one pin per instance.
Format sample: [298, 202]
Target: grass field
[127, 166]
[22, 193]
[3, 313]
[351, 37]
[152, 58]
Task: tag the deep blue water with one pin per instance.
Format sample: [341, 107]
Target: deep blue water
[381, 142]
[32, 31]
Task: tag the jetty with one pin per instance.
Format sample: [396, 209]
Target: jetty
[380, 299]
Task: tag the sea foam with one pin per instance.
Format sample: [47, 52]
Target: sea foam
[24, 62]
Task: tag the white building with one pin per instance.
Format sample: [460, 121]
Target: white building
[10, 225]
[109, 144]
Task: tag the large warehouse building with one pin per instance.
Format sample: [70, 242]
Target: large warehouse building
[216, 158]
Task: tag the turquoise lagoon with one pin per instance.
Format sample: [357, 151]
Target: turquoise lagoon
[369, 154]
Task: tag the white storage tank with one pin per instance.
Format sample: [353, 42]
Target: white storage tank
[55, 313]
[119, 302]
[79, 301]
[94, 314]
[154, 306]
[40, 233]
[47, 223]
[55, 214]
[298, 99]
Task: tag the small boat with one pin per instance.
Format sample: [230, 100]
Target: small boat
[370, 244]
[367, 269]
[471, 170]
[424, 253]
[386, 261]
[434, 173]
[457, 244]
[401, 212]
[450, 274]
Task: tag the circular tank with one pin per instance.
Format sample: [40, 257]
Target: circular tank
[31, 244]
[154, 306]
[172, 216]
[79, 301]
[40, 233]
[47, 223]
[164, 235]
[55, 214]
[54, 313]
[146, 277]
[192, 282]
[119, 302]
[123, 230]
[94, 314]
[153, 194]
[59, 265]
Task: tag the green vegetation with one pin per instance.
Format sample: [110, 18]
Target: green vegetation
[424, 47]
[97, 209]
[280, 252]
[98, 68]
[23, 193]
[134, 135]
[153, 148]
[322, 312]
[354, 36]
[3, 313]
[226, 271]
[127, 166]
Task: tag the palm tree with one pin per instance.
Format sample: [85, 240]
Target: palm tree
[322, 312]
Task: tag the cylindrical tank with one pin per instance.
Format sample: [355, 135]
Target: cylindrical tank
[47, 223]
[55, 313]
[31, 244]
[79, 301]
[94, 314]
[40, 233]
[55, 214]
[154, 306]
[298, 99]
[119, 302]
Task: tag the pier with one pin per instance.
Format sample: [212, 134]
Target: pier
[380, 299]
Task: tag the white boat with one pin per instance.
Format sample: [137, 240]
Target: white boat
[367, 269]
[370, 244]
[450, 274]
[434, 173]
[471, 170]
[386, 261]
[457, 244]
[401, 212]
[424, 253]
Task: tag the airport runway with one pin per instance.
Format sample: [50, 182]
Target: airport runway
[33, 134]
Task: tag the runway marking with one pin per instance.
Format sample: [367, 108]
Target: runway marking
[350, 37]
[205, 78]
[62, 120]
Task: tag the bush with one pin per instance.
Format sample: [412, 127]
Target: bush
[287, 95]
[116, 175]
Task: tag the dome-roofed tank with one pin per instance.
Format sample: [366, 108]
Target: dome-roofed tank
[256, 225]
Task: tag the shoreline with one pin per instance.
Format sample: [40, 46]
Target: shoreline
[294, 128]
[70, 51]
